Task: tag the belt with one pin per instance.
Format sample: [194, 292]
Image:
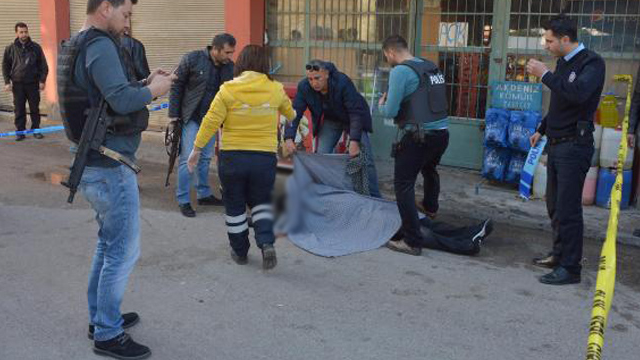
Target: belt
[560, 140]
[413, 128]
[437, 131]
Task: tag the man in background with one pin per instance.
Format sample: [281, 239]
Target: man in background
[25, 70]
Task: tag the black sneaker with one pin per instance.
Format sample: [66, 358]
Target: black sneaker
[240, 260]
[128, 320]
[485, 230]
[38, 136]
[20, 137]
[187, 210]
[269, 259]
[121, 347]
[210, 200]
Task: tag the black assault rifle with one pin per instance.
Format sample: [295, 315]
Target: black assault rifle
[172, 137]
[93, 135]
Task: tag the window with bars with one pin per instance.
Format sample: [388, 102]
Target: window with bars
[461, 36]
[348, 33]
[456, 34]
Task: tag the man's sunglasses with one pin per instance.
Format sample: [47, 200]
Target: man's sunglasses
[310, 67]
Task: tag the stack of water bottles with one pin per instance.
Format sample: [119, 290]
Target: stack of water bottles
[506, 141]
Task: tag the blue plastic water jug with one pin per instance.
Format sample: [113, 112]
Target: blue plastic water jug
[606, 180]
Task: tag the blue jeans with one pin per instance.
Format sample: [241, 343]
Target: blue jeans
[113, 194]
[328, 138]
[185, 179]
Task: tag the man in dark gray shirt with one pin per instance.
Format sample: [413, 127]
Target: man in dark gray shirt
[102, 73]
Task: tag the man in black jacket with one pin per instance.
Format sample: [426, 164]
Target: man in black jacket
[200, 75]
[135, 49]
[576, 86]
[25, 70]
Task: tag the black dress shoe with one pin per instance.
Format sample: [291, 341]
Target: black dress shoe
[187, 210]
[560, 276]
[549, 261]
[636, 232]
[240, 260]
[210, 200]
[128, 320]
[121, 347]
[38, 136]
[20, 137]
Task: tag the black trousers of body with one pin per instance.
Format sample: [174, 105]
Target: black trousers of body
[414, 156]
[446, 237]
[23, 93]
[567, 167]
[247, 179]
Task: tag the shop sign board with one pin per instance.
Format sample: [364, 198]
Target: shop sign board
[516, 95]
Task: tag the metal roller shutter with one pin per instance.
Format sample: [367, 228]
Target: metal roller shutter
[77, 14]
[11, 12]
[169, 29]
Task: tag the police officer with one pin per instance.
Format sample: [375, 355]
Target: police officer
[92, 69]
[417, 101]
[576, 85]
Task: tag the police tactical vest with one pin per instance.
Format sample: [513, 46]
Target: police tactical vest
[76, 102]
[429, 102]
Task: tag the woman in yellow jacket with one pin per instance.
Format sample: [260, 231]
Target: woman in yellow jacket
[248, 108]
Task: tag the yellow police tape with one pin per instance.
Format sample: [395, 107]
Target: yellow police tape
[607, 269]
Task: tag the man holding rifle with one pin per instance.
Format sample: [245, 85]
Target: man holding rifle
[104, 112]
[200, 75]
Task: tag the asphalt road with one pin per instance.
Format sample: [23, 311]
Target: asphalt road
[196, 304]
